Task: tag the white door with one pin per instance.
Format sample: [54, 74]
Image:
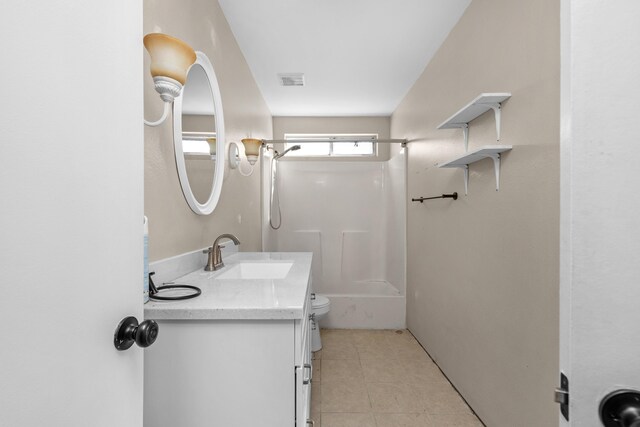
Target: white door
[600, 203]
[71, 211]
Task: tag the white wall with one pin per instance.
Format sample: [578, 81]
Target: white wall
[600, 239]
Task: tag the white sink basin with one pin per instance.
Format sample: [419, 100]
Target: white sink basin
[258, 270]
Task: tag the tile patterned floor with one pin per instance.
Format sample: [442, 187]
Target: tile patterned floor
[370, 378]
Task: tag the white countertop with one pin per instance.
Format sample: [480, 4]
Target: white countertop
[240, 298]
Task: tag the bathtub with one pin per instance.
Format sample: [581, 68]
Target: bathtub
[366, 305]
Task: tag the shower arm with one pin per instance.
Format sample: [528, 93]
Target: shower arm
[271, 147]
[278, 155]
[268, 147]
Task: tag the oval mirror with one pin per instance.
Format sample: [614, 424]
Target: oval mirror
[198, 137]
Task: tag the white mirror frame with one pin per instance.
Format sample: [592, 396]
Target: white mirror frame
[216, 186]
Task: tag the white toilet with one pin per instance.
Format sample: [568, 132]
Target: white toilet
[320, 306]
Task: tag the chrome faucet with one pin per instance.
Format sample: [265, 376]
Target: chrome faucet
[215, 256]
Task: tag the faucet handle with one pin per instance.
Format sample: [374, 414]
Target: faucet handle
[210, 258]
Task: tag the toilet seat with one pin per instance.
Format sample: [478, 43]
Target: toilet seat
[320, 301]
[320, 305]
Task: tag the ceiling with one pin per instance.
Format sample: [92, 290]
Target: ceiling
[359, 57]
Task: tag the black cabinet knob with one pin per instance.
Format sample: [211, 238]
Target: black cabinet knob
[129, 331]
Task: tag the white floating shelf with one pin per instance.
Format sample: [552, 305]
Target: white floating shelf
[483, 103]
[488, 151]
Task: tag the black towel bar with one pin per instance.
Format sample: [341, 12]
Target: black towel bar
[453, 196]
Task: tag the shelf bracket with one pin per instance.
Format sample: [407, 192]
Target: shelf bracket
[497, 111]
[466, 179]
[465, 170]
[465, 132]
[496, 168]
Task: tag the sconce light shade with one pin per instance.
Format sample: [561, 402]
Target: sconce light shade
[170, 62]
[170, 57]
[252, 149]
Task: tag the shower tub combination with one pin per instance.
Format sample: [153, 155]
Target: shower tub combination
[351, 215]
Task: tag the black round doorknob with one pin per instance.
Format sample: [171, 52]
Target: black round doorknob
[129, 331]
[621, 409]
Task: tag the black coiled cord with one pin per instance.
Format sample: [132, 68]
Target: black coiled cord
[154, 291]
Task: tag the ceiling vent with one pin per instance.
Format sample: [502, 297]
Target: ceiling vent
[291, 79]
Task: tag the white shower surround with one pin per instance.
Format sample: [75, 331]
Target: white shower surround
[351, 215]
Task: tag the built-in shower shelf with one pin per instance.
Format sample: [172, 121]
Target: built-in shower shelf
[474, 109]
[488, 151]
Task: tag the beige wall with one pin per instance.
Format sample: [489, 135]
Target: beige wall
[335, 125]
[483, 270]
[173, 227]
[198, 123]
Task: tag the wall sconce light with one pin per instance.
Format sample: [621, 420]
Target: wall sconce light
[251, 151]
[170, 62]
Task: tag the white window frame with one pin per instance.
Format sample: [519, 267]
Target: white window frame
[331, 139]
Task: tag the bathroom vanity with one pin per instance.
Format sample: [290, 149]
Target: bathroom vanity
[239, 354]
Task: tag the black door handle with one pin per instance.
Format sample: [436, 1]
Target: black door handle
[129, 331]
[621, 409]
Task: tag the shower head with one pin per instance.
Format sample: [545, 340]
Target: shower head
[277, 155]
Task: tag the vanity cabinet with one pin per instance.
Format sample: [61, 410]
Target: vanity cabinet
[303, 366]
[229, 372]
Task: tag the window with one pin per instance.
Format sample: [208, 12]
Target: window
[323, 145]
